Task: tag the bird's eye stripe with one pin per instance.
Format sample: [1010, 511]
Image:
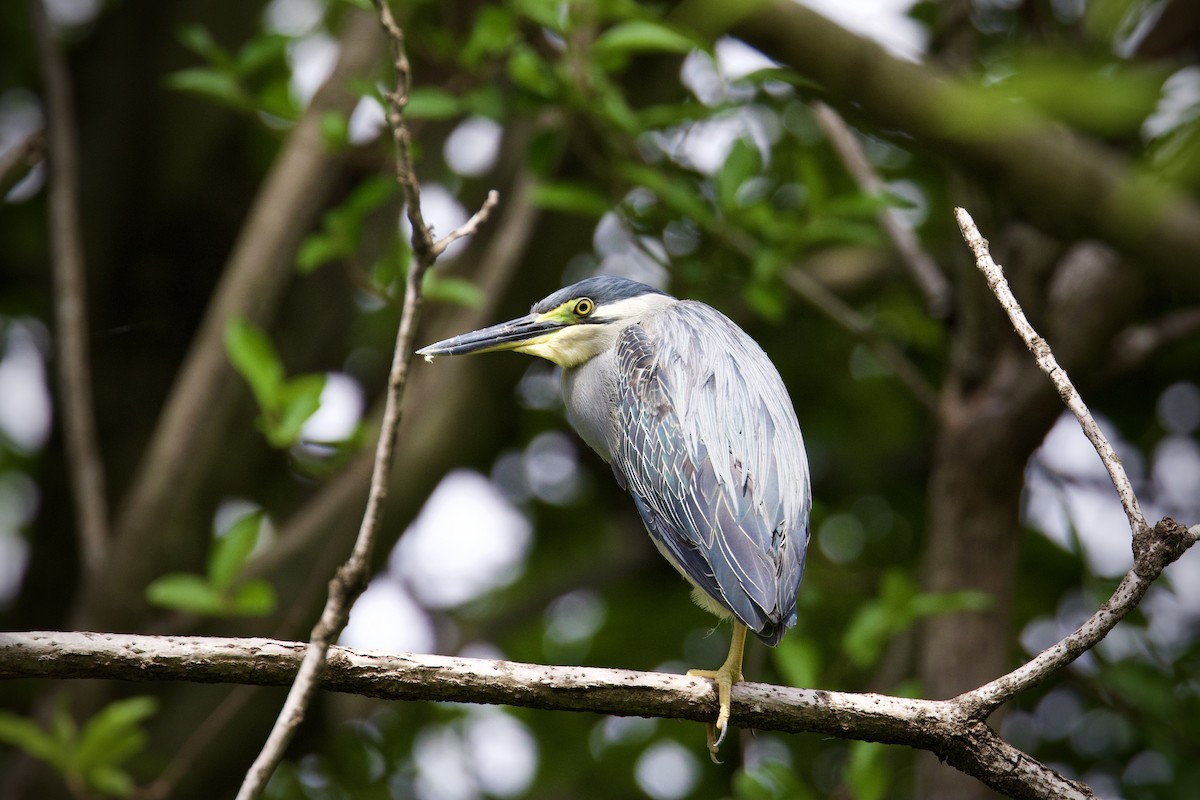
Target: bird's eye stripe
[584, 306]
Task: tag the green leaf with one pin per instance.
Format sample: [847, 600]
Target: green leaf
[866, 772]
[742, 163]
[371, 194]
[614, 107]
[260, 52]
[317, 250]
[948, 602]
[275, 99]
[63, 728]
[183, 592]
[254, 598]
[769, 780]
[798, 661]
[548, 14]
[255, 357]
[494, 31]
[231, 550]
[487, 101]
[112, 735]
[335, 130]
[212, 83]
[298, 399]
[643, 36]
[867, 634]
[570, 196]
[531, 72]
[199, 40]
[447, 289]
[679, 194]
[111, 781]
[28, 736]
[426, 102]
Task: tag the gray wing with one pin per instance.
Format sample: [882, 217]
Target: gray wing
[709, 447]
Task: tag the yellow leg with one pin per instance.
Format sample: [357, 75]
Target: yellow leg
[729, 674]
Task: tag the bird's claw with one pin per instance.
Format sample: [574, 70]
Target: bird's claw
[725, 678]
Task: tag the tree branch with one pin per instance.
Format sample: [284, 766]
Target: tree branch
[940, 726]
[1074, 187]
[84, 467]
[351, 578]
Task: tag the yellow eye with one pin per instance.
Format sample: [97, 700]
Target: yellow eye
[584, 306]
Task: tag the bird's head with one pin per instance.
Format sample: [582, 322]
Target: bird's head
[569, 327]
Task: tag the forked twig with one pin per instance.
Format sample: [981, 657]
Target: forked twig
[351, 578]
[1153, 548]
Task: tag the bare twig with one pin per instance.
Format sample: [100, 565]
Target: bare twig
[924, 269]
[469, 227]
[935, 725]
[1046, 361]
[16, 162]
[84, 466]
[351, 578]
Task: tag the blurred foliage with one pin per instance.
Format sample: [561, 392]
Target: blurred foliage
[658, 161]
[221, 591]
[285, 403]
[90, 758]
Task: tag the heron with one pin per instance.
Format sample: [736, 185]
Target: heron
[698, 427]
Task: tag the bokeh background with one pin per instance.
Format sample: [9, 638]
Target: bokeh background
[244, 251]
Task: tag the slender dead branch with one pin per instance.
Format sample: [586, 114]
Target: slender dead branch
[84, 466]
[351, 578]
[935, 725]
[16, 162]
[1048, 364]
[929, 279]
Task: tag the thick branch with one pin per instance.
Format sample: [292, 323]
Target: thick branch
[1071, 186]
[935, 725]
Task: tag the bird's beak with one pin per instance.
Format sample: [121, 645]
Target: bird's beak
[520, 332]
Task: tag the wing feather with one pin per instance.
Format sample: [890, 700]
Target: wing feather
[709, 447]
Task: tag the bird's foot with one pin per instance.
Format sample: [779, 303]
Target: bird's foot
[725, 678]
